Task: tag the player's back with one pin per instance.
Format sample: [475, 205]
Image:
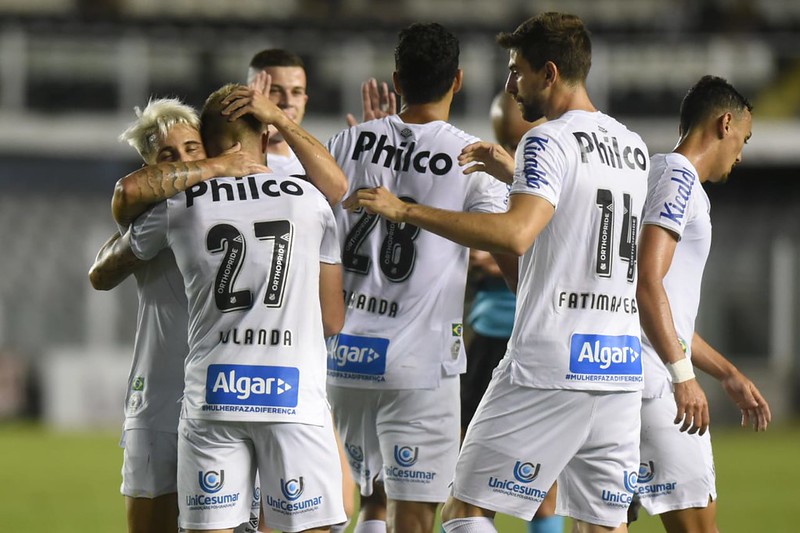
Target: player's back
[404, 287]
[249, 251]
[577, 324]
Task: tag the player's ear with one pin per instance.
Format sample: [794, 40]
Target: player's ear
[550, 72]
[458, 81]
[396, 83]
[724, 124]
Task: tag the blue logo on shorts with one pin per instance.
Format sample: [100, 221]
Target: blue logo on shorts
[358, 355]
[647, 471]
[630, 481]
[605, 354]
[274, 386]
[354, 451]
[406, 456]
[211, 481]
[292, 489]
[526, 472]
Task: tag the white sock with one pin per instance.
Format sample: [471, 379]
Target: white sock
[340, 528]
[470, 525]
[370, 526]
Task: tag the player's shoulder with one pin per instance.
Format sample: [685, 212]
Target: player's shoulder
[662, 164]
[457, 134]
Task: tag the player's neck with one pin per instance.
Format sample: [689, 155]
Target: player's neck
[280, 148]
[569, 98]
[427, 112]
[699, 151]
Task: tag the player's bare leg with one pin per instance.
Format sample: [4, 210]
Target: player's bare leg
[152, 515]
[585, 527]
[410, 517]
[373, 507]
[695, 520]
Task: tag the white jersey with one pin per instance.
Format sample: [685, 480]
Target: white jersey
[677, 201]
[576, 324]
[249, 251]
[404, 287]
[155, 383]
[285, 165]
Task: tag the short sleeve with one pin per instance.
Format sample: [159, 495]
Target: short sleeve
[669, 198]
[149, 232]
[486, 194]
[540, 166]
[329, 249]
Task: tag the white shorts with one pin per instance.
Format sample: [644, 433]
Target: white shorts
[677, 469]
[522, 439]
[408, 439]
[217, 462]
[149, 463]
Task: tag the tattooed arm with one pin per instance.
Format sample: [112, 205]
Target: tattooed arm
[115, 261]
[151, 184]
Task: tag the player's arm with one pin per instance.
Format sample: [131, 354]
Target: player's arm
[509, 268]
[741, 390]
[656, 250]
[490, 158]
[512, 232]
[330, 298]
[115, 262]
[321, 168]
[140, 190]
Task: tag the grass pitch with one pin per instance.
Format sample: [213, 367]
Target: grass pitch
[69, 482]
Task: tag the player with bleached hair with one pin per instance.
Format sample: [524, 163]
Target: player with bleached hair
[166, 136]
[259, 260]
[676, 475]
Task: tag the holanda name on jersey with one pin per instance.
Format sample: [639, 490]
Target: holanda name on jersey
[675, 210]
[275, 386]
[401, 157]
[245, 188]
[609, 153]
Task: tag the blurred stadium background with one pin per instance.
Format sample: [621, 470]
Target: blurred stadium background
[72, 70]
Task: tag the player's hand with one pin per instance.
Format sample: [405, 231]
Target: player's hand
[253, 100]
[490, 158]
[745, 394]
[233, 162]
[377, 101]
[483, 263]
[692, 407]
[377, 201]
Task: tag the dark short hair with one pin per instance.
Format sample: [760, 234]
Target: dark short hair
[557, 37]
[426, 61]
[275, 57]
[710, 96]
